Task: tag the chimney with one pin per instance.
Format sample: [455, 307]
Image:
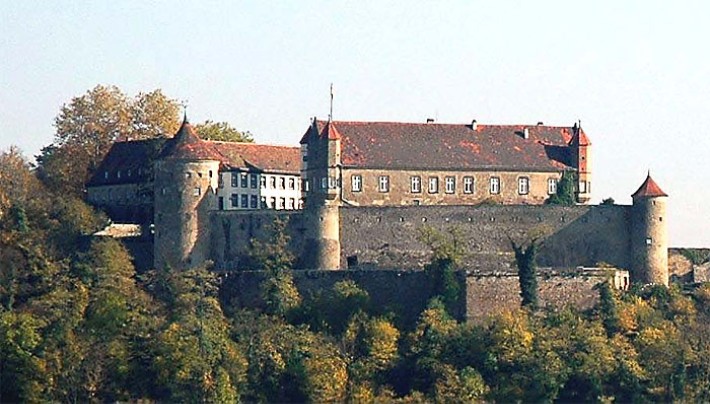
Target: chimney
[526, 133]
[474, 125]
[430, 120]
[539, 123]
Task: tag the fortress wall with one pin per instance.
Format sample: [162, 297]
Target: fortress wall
[406, 292]
[231, 232]
[387, 237]
[580, 235]
[403, 292]
[491, 294]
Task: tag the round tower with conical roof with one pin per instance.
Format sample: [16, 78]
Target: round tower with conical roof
[649, 235]
[186, 175]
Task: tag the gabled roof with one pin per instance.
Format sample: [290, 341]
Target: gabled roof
[281, 159]
[451, 146]
[135, 155]
[649, 189]
[186, 145]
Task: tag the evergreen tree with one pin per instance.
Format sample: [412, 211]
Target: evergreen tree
[566, 194]
[525, 261]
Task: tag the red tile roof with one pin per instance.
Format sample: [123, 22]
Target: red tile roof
[649, 189]
[451, 146]
[281, 159]
[186, 145]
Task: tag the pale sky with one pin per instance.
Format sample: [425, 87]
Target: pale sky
[637, 73]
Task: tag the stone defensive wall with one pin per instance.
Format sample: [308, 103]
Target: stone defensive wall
[573, 236]
[389, 237]
[406, 292]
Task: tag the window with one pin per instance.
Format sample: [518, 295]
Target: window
[263, 181]
[220, 181]
[118, 174]
[332, 182]
[282, 182]
[263, 203]
[304, 185]
[272, 182]
[467, 185]
[416, 184]
[433, 185]
[450, 185]
[291, 183]
[235, 180]
[495, 185]
[245, 201]
[324, 183]
[551, 186]
[253, 180]
[282, 203]
[106, 175]
[582, 187]
[291, 203]
[384, 183]
[253, 201]
[128, 173]
[197, 191]
[356, 183]
[244, 180]
[273, 202]
[523, 185]
[234, 200]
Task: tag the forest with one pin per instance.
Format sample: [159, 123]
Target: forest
[79, 323]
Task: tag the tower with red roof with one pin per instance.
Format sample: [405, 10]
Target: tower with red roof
[649, 234]
[186, 177]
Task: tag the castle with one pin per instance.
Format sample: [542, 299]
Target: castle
[366, 188]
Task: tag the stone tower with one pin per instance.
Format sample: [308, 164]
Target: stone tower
[186, 177]
[321, 172]
[649, 235]
[581, 152]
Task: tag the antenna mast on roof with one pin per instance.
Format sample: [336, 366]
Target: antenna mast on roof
[183, 104]
[330, 116]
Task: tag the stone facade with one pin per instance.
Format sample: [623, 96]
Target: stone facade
[363, 187]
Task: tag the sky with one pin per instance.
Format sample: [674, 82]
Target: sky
[636, 73]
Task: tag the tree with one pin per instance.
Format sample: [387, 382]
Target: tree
[608, 201]
[566, 194]
[608, 309]
[448, 250]
[222, 131]
[196, 360]
[275, 259]
[525, 261]
[88, 125]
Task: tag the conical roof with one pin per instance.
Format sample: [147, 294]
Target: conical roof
[186, 145]
[649, 189]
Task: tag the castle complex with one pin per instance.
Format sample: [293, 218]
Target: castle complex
[357, 194]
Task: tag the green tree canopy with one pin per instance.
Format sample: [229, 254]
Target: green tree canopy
[222, 131]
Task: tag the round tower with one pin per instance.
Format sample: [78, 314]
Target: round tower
[186, 176]
[321, 150]
[649, 236]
